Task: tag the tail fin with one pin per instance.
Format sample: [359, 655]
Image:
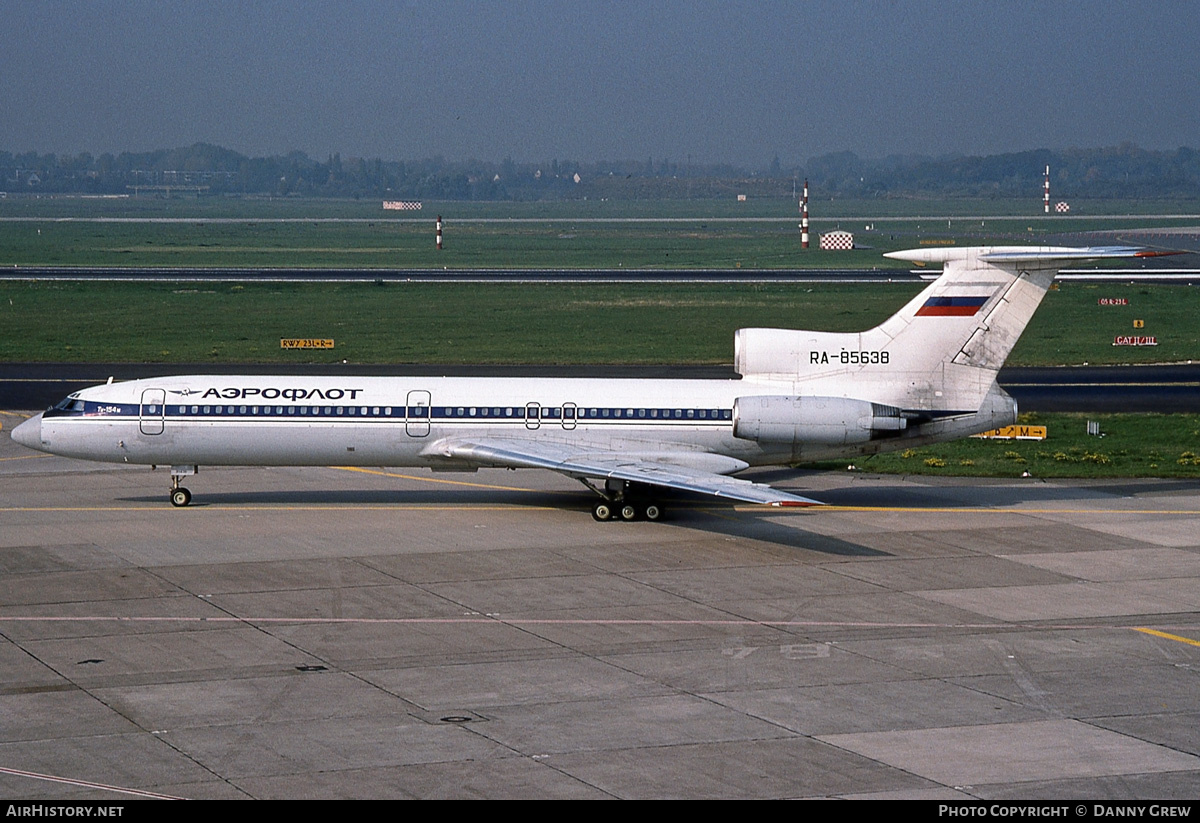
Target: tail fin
[941, 352]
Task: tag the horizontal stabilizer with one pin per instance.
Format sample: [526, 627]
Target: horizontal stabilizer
[1025, 254]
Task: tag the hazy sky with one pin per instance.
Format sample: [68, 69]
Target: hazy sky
[733, 82]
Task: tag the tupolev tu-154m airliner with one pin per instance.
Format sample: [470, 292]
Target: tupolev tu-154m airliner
[925, 375]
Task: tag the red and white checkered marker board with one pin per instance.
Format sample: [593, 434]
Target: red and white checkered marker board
[837, 241]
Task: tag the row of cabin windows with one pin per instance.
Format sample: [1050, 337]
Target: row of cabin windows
[359, 411]
[532, 412]
[571, 412]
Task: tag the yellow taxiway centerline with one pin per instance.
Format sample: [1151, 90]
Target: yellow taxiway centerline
[715, 510]
[441, 480]
[1166, 636]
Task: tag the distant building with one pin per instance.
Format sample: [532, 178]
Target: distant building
[837, 241]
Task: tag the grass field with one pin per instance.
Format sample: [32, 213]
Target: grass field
[412, 245]
[526, 324]
[429, 323]
[409, 323]
[1133, 445]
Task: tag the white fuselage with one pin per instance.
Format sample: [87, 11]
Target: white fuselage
[396, 421]
[240, 420]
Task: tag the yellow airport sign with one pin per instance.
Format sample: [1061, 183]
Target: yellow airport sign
[305, 343]
[1015, 433]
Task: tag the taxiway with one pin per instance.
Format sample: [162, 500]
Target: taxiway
[377, 633]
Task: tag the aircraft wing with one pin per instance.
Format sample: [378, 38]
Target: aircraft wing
[702, 472]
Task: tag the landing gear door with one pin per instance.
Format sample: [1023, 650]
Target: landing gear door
[417, 413]
[152, 413]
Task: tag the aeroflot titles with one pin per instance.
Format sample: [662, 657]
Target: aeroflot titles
[287, 394]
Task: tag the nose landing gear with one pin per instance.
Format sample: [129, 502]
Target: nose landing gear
[179, 495]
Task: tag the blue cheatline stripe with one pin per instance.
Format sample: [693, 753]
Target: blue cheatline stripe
[489, 414]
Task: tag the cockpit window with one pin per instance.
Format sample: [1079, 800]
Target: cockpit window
[70, 404]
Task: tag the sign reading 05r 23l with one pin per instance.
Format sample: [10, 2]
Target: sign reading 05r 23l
[305, 343]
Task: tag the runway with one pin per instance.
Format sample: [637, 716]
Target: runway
[392, 633]
[158, 274]
[1173, 389]
[162, 274]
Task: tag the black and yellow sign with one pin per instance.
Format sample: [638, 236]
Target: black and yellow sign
[1015, 433]
[1139, 324]
[305, 343]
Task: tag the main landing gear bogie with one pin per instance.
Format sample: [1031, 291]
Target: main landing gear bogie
[627, 501]
[604, 511]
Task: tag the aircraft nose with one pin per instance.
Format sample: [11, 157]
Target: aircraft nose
[29, 433]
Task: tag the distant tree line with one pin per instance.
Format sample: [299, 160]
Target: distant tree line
[1119, 171]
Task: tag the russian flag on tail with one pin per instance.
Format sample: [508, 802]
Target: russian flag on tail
[951, 306]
